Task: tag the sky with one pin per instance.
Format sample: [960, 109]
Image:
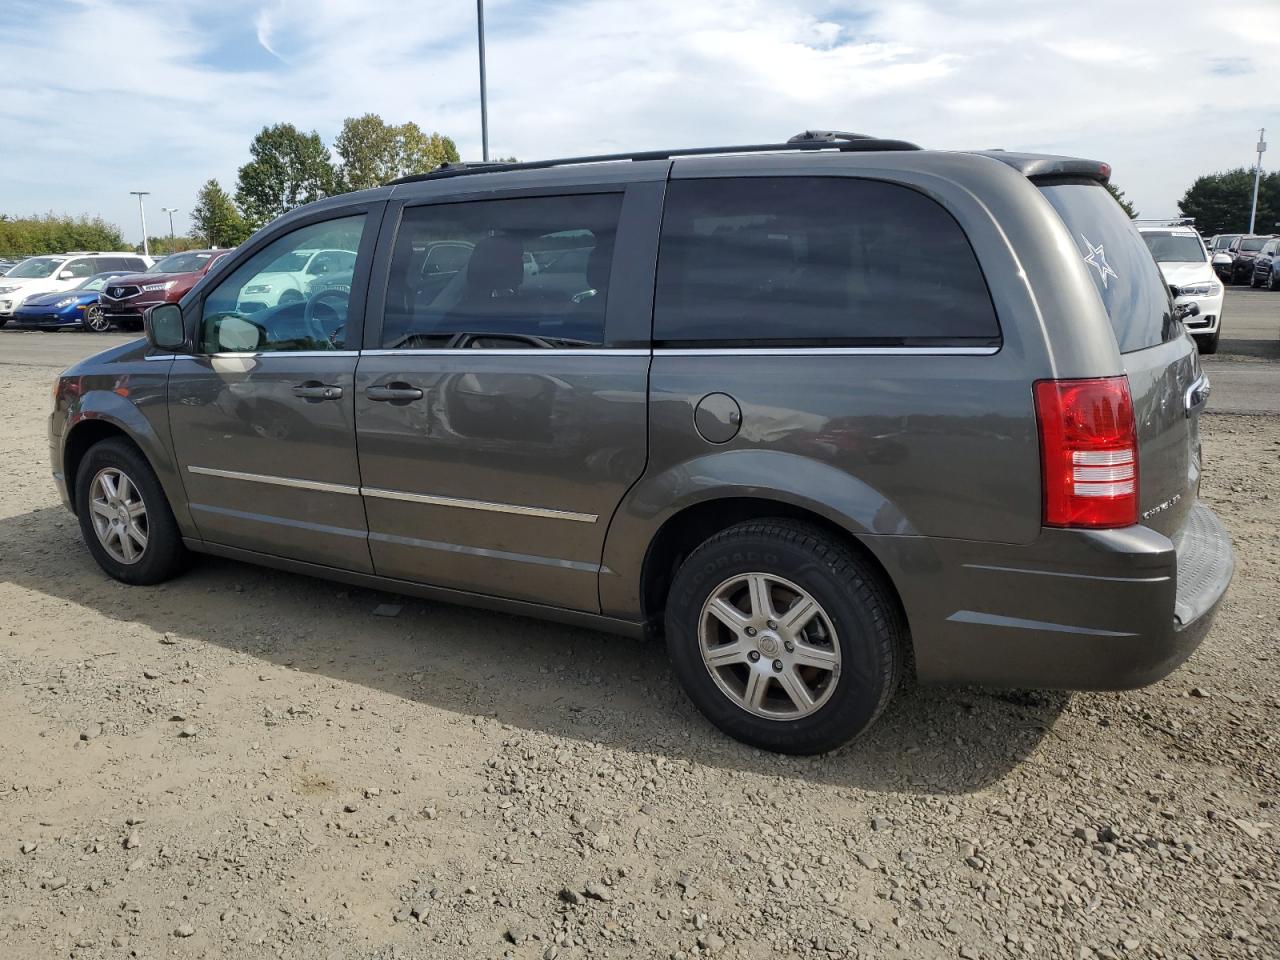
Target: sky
[101, 97]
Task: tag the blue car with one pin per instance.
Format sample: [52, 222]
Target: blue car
[77, 307]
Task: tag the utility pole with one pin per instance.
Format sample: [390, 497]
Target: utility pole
[484, 96]
[146, 252]
[172, 243]
[1257, 175]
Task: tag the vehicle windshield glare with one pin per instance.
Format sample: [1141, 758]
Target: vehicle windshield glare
[1174, 247]
[181, 263]
[293, 262]
[36, 267]
[95, 282]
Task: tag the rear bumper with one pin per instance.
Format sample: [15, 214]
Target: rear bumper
[1076, 610]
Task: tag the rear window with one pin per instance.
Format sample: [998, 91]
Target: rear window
[1119, 263]
[815, 261]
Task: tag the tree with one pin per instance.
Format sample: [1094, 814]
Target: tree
[163, 246]
[54, 233]
[371, 151]
[216, 219]
[1220, 202]
[288, 168]
[1129, 209]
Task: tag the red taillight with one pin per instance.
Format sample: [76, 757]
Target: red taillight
[1088, 452]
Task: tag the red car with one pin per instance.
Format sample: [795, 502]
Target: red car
[126, 298]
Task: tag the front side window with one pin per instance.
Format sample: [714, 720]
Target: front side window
[511, 274]
[260, 308]
[815, 261]
[79, 269]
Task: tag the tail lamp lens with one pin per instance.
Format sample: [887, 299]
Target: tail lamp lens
[1088, 452]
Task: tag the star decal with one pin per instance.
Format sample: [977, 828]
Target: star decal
[1097, 258]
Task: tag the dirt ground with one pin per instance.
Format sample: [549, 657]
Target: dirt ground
[250, 764]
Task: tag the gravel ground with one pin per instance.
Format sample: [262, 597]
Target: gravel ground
[252, 764]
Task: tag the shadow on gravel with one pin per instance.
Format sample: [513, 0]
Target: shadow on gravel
[541, 677]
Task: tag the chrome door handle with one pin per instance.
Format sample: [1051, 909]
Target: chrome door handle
[393, 392]
[312, 390]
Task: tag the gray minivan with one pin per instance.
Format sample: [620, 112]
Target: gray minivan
[825, 413]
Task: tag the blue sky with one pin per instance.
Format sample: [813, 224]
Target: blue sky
[100, 97]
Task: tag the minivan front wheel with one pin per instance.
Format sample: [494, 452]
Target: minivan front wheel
[124, 517]
[784, 637]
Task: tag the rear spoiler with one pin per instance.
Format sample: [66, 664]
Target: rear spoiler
[1036, 166]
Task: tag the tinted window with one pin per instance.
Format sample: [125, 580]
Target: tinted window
[512, 274]
[256, 308]
[1118, 262]
[131, 264]
[79, 269]
[1174, 247]
[811, 260]
[1252, 243]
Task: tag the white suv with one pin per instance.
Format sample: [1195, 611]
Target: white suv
[1184, 261]
[58, 272]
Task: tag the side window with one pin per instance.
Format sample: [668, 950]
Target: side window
[79, 269]
[132, 264]
[267, 304]
[815, 261]
[521, 273]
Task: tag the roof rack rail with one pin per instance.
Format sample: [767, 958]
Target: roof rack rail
[1167, 221]
[809, 140]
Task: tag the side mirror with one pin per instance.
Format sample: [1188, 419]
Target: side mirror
[66, 275]
[1185, 311]
[163, 326]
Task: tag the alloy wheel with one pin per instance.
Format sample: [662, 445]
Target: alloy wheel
[119, 515]
[96, 320]
[769, 646]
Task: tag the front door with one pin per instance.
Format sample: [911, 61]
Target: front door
[500, 408]
[263, 413]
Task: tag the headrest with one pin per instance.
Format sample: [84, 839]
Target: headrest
[497, 263]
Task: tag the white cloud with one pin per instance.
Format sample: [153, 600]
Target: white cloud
[99, 97]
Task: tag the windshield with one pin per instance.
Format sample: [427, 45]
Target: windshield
[1174, 248]
[293, 262]
[1118, 262]
[1253, 243]
[181, 263]
[36, 267]
[94, 283]
[1224, 241]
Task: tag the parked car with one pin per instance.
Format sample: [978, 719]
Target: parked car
[753, 427]
[290, 279]
[1243, 251]
[125, 298]
[6, 266]
[1221, 242]
[1184, 262]
[57, 273]
[1266, 266]
[77, 307]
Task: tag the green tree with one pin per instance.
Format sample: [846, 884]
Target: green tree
[371, 151]
[288, 168]
[1220, 202]
[1129, 209]
[163, 246]
[215, 217]
[56, 233]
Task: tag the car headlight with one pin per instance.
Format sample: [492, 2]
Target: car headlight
[156, 287]
[258, 288]
[64, 302]
[7, 289]
[1200, 290]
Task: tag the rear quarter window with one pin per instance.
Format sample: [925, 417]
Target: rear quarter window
[1119, 263]
[815, 261]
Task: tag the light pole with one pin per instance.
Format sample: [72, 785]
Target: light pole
[146, 252]
[1257, 175]
[484, 97]
[172, 243]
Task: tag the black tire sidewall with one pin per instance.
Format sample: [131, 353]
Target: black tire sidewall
[165, 553]
[863, 629]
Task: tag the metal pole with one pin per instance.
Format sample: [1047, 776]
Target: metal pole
[171, 211]
[1257, 175]
[146, 251]
[484, 97]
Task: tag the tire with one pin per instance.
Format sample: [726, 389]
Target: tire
[95, 320]
[793, 559]
[1208, 344]
[3, 321]
[163, 554]
[1254, 282]
[1273, 282]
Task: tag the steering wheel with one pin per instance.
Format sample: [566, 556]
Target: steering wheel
[334, 302]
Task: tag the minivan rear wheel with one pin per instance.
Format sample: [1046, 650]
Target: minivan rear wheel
[784, 637]
[124, 516]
